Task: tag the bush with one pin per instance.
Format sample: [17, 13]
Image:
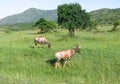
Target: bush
[46, 25]
[6, 30]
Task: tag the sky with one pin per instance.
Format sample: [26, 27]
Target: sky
[11, 7]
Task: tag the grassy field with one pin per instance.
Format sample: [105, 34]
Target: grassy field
[98, 62]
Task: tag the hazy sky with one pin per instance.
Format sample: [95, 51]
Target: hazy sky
[10, 7]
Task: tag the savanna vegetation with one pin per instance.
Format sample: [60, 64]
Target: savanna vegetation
[97, 63]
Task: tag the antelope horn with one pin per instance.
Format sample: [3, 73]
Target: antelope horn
[80, 46]
[77, 44]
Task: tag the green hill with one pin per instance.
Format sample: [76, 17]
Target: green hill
[102, 16]
[30, 15]
[106, 16]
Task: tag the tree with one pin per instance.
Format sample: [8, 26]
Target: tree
[115, 24]
[71, 16]
[45, 25]
[92, 25]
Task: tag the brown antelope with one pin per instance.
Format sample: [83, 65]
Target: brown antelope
[41, 40]
[66, 54]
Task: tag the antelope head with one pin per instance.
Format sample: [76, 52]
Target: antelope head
[77, 48]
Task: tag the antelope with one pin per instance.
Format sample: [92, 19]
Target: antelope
[66, 54]
[41, 40]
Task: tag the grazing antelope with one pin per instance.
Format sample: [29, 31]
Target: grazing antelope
[66, 54]
[41, 40]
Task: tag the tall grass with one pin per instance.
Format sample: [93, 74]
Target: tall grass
[98, 62]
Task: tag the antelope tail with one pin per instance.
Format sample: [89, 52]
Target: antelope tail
[35, 41]
[49, 45]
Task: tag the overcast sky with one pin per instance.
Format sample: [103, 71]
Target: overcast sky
[10, 7]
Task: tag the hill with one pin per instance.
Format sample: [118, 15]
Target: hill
[102, 16]
[30, 15]
[105, 16]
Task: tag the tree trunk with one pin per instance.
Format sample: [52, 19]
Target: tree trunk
[72, 32]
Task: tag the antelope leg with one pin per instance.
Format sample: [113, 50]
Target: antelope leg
[69, 63]
[57, 64]
[65, 63]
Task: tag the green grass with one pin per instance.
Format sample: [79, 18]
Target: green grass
[98, 62]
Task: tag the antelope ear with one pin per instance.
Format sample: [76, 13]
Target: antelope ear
[80, 46]
[77, 44]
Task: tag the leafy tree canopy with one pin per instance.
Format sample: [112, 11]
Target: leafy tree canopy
[45, 25]
[71, 16]
[115, 25]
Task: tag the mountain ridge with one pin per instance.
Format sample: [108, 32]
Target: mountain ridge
[102, 16]
[105, 15]
[29, 15]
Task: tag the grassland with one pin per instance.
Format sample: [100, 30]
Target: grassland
[98, 62]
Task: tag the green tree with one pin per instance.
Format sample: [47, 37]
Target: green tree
[71, 16]
[115, 25]
[45, 25]
[92, 25]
